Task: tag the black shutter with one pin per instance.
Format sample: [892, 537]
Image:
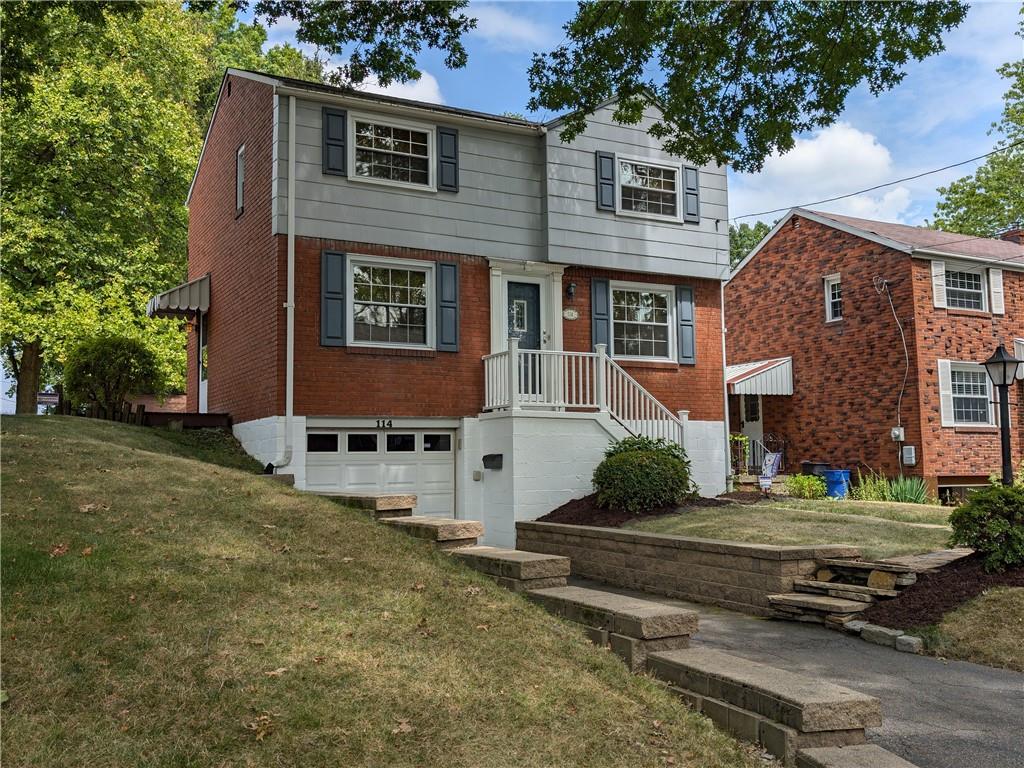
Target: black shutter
[332, 299]
[685, 320]
[335, 133]
[600, 313]
[605, 181]
[691, 195]
[448, 307]
[448, 159]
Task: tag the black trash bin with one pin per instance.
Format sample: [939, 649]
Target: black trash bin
[813, 468]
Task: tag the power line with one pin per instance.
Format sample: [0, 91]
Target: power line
[880, 186]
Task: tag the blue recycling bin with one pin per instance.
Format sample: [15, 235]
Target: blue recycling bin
[837, 483]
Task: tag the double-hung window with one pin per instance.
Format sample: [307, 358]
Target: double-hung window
[642, 321]
[392, 152]
[833, 298]
[648, 189]
[240, 180]
[971, 395]
[390, 301]
[965, 290]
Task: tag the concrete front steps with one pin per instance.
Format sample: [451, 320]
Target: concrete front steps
[803, 721]
[444, 532]
[841, 589]
[632, 627]
[514, 569]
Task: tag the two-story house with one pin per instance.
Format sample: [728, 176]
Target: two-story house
[858, 344]
[390, 296]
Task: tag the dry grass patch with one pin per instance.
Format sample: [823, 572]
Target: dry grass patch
[986, 630]
[195, 614]
[762, 524]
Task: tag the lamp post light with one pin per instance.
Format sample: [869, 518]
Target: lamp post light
[1002, 368]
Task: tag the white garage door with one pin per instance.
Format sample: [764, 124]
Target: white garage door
[419, 461]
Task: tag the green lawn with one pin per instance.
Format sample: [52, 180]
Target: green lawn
[164, 611]
[868, 525]
[985, 630]
[933, 514]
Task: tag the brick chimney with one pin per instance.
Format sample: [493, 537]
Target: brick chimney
[1015, 234]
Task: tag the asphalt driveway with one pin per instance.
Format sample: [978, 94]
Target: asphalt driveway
[936, 714]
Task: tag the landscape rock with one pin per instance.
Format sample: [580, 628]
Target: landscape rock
[909, 644]
[880, 635]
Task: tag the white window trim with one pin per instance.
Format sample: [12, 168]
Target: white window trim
[355, 260]
[991, 395]
[952, 266]
[619, 211]
[344, 448]
[673, 344]
[323, 432]
[828, 281]
[430, 130]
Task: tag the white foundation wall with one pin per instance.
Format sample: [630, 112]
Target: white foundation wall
[263, 439]
[704, 442]
[547, 459]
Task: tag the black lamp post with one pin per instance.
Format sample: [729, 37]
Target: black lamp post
[1002, 369]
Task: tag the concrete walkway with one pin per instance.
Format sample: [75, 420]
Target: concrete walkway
[935, 714]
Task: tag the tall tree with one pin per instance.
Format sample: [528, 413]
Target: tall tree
[744, 238]
[733, 81]
[992, 198]
[99, 145]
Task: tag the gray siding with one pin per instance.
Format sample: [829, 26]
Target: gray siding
[497, 212]
[580, 234]
[520, 197]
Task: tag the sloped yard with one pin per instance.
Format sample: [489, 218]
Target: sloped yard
[160, 610]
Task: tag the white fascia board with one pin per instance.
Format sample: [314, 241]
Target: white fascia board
[932, 255]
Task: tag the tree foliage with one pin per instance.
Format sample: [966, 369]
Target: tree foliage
[107, 369]
[734, 81]
[743, 239]
[992, 198]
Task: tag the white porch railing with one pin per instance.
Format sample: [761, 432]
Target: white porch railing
[543, 379]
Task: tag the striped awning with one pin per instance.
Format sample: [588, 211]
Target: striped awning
[761, 377]
[184, 300]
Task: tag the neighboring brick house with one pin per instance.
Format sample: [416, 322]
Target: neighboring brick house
[358, 264]
[816, 357]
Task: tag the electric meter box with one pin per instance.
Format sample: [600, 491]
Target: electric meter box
[898, 434]
[909, 456]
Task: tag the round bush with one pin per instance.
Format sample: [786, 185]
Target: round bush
[805, 486]
[992, 523]
[106, 369]
[641, 481]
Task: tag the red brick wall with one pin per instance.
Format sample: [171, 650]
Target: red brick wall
[697, 388]
[965, 336]
[245, 348]
[847, 374]
[359, 381]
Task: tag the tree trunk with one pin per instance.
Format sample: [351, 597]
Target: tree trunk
[29, 370]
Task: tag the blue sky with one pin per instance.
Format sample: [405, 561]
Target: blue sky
[938, 115]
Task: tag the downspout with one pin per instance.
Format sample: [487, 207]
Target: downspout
[285, 458]
[725, 390]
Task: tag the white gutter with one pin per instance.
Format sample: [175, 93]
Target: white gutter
[725, 391]
[285, 458]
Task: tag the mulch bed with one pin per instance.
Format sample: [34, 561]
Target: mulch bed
[585, 511]
[938, 592]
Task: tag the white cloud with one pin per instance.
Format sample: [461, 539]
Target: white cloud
[425, 89]
[508, 32]
[831, 162]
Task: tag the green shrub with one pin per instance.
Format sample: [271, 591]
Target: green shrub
[805, 486]
[877, 487]
[873, 487]
[641, 443]
[106, 369]
[640, 481]
[992, 522]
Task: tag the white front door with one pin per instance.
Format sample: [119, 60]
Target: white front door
[203, 371]
[417, 461]
[750, 420]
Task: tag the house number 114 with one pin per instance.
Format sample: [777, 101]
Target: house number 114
[384, 424]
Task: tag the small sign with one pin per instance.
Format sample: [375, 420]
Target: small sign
[48, 398]
[765, 482]
[570, 314]
[771, 465]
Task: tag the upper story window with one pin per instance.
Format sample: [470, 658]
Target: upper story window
[833, 298]
[389, 302]
[971, 397]
[965, 290]
[642, 321]
[397, 153]
[648, 189]
[240, 180]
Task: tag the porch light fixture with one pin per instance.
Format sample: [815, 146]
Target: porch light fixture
[570, 291]
[1002, 369]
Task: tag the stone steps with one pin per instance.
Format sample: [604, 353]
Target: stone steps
[379, 504]
[838, 589]
[632, 627]
[872, 574]
[783, 711]
[814, 608]
[858, 756]
[515, 569]
[444, 532]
